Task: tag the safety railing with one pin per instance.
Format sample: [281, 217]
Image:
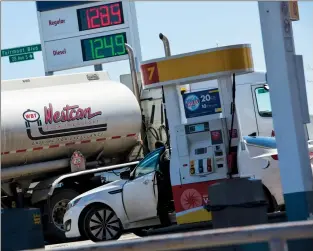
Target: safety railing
[276, 235]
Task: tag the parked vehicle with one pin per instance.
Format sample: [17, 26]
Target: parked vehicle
[128, 204]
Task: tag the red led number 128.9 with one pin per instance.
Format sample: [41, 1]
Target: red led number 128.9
[104, 15]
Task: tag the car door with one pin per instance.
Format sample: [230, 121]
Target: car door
[140, 194]
[262, 109]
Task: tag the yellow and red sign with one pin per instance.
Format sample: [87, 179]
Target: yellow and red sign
[197, 66]
[189, 200]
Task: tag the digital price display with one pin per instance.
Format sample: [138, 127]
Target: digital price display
[100, 16]
[104, 46]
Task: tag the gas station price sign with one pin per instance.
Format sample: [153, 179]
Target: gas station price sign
[104, 46]
[100, 16]
[86, 33]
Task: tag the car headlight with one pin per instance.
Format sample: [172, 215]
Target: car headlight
[72, 204]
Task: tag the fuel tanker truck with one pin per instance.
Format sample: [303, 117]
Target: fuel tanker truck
[61, 136]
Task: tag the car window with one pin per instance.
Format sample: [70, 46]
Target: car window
[148, 164]
[263, 102]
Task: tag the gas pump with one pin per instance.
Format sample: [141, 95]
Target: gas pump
[204, 135]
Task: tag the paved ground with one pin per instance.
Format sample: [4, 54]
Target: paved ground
[73, 244]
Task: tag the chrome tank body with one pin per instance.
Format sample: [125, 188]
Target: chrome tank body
[49, 123]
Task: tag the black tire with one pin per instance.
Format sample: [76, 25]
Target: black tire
[102, 224]
[272, 206]
[55, 232]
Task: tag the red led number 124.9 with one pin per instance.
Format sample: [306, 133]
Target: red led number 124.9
[104, 15]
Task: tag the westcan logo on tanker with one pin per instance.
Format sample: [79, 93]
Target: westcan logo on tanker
[69, 113]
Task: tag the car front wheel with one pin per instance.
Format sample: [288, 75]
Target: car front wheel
[102, 224]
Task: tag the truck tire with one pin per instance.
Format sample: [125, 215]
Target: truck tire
[55, 232]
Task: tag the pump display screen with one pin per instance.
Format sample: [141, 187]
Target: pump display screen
[197, 128]
[201, 127]
[104, 46]
[201, 151]
[100, 16]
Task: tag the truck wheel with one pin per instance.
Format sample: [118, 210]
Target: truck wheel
[55, 230]
[102, 224]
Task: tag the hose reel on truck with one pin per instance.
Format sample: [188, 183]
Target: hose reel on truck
[204, 130]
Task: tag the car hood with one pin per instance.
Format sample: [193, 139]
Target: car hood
[115, 185]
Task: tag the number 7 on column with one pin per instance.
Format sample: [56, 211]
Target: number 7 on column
[150, 73]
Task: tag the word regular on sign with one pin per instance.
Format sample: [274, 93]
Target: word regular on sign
[104, 46]
[100, 16]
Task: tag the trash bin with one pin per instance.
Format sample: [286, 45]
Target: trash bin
[238, 202]
[21, 229]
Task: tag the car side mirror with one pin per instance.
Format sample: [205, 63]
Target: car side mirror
[125, 175]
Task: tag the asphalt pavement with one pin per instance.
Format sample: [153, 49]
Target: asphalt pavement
[78, 243]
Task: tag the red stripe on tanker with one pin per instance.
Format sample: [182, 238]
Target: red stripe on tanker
[68, 144]
[84, 117]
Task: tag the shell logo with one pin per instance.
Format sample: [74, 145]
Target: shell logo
[31, 115]
[190, 198]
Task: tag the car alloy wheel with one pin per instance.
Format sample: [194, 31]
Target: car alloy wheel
[102, 224]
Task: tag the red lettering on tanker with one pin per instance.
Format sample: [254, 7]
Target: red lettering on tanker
[68, 113]
[78, 121]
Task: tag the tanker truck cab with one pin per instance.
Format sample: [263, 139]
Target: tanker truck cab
[130, 204]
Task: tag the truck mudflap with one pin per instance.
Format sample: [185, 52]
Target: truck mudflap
[42, 189]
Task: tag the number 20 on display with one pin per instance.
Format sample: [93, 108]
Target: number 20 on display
[205, 98]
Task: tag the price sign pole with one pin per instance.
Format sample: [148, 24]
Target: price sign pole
[98, 67]
[287, 92]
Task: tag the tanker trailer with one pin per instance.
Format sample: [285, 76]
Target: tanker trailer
[57, 133]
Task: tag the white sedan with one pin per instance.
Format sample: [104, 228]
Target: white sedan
[128, 204]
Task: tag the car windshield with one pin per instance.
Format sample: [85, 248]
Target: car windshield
[148, 164]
